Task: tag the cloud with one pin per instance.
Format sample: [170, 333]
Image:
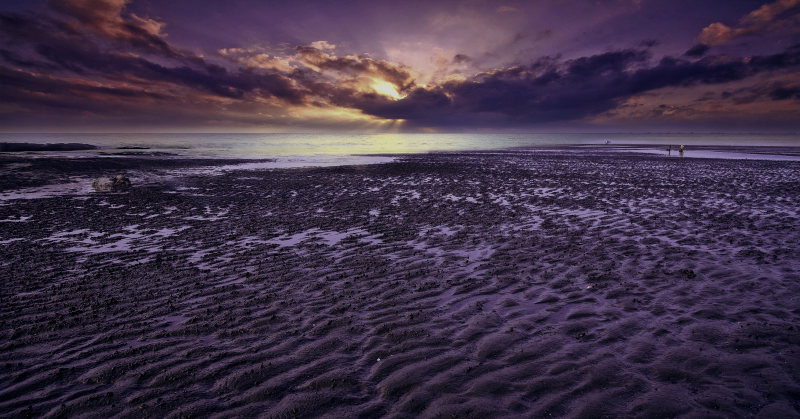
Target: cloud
[461, 58]
[785, 92]
[46, 44]
[353, 65]
[549, 90]
[323, 45]
[765, 17]
[81, 43]
[107, 19]
[23, 86]
[91, 57]
[697, 51]
[257, 59]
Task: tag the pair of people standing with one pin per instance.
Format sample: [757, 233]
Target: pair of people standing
[669, 149]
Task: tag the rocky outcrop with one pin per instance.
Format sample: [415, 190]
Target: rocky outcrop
[111, 184]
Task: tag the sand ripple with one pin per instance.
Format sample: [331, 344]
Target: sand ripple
[474, 284]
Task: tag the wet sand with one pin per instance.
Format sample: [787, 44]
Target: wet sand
[501, 284]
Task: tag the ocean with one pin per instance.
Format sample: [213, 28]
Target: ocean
[336, 146]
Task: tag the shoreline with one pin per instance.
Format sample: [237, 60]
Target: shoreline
[126, 152]
[155, 168]
[306, 145]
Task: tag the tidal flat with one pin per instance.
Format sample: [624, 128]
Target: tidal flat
[475, 284]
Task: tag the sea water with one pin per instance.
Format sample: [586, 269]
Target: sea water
[337, 148]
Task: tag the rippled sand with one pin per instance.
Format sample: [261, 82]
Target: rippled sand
[481, 284]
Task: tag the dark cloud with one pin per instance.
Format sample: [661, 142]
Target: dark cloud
[106, 18]
[697, 51]
[785, 92]
[41, 45]
[550, 91]
[429, 107]
[461, 58]
[42, 91]
[601, 64]
[53, 63]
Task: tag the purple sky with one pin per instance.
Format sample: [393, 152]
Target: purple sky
[372, 66]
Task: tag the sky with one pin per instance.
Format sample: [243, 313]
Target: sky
[399, 66]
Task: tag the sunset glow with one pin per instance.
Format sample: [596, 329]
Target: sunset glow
[542, 65]
[400, 209]
[385, 88]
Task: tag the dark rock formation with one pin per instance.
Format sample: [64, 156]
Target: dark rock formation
[106, 184]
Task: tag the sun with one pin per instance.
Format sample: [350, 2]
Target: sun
[385, 88]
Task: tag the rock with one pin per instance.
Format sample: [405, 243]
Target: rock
[102, 184]
[122, 181]
[107, 184]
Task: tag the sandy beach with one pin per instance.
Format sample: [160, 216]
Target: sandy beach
[516, 283]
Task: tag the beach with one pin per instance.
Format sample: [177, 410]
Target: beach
[508, 283]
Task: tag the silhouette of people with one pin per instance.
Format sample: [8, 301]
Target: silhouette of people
[682, 148]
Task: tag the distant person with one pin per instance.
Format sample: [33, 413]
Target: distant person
[669, 150]
[682, 148]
